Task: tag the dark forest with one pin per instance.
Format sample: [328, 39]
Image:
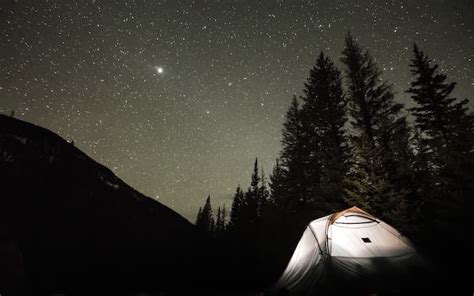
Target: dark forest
[348, 142]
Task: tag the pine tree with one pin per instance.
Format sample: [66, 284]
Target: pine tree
[220, 223]
[263, 195]
[218, 218]
[443, 120]
[205, 220]
[256, 196]
[252, 198]
[422, 183]
[290, 206]
[378, 125]
[278, 186]
[445, 142]
[255, 179]
[248, 207]
[279, 207]
[199, 217]
[370, 189]
[236, 210]
[292, 154]
[324, 117]
[224, 217]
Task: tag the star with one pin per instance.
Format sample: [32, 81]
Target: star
[222, 77]
[159, 70]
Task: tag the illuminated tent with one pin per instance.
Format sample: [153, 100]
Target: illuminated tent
[348, 251]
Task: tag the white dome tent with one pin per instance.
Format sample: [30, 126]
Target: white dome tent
[348, 250]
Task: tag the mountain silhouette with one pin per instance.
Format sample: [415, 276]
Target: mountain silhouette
[68, 224]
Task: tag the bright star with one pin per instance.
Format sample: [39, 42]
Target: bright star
[159, 70]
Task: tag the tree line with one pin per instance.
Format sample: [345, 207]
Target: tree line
[347, 141]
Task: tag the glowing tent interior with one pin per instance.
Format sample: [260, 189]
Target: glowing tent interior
[349, 250]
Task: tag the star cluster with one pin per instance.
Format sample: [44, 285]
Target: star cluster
[179, 97]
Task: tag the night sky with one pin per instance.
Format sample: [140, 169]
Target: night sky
[179, 97]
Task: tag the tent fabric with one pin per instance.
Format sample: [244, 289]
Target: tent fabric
[350, 246]
[354, 210]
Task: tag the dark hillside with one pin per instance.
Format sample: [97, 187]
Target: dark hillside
[68, 223]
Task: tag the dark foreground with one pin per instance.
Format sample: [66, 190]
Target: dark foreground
[69, 226]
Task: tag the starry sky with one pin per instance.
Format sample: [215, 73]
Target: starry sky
[179, 97]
